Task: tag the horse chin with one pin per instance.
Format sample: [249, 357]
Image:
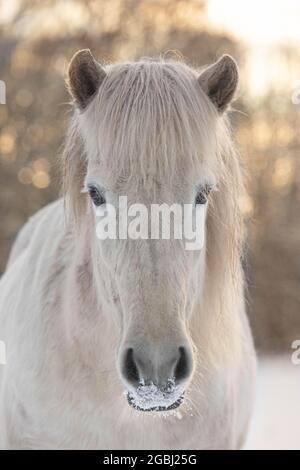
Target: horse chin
[154, 406]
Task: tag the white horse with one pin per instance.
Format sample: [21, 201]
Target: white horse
[85, 319]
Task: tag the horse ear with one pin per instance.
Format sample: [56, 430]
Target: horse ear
[85, 76]
[219, 81]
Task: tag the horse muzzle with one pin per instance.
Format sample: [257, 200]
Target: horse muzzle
[155, 376]
[151, 398]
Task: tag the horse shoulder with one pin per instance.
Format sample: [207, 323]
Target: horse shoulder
[27, 232]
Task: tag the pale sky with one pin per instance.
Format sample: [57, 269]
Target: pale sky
[258, 21]
[263, 26]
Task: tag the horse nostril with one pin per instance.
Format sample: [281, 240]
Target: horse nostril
[130, 370]
[183, 366]
[156, 365]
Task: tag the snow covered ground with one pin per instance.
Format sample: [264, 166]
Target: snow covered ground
[276, 420]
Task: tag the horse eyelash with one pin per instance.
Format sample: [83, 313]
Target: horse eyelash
[207, 188]
[85, 189]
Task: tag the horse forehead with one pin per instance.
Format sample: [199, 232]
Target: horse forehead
[180, 183]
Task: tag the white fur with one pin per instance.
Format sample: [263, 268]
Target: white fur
[69, 302]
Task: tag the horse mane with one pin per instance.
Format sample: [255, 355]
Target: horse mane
[146, 112]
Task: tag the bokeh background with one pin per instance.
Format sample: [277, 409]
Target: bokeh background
[38, 38]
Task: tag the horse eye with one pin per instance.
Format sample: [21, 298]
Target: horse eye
[96, 196]
[202, 195]
[201, 198]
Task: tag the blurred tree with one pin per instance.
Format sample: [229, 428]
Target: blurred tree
[36, 46]
[271, 139]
